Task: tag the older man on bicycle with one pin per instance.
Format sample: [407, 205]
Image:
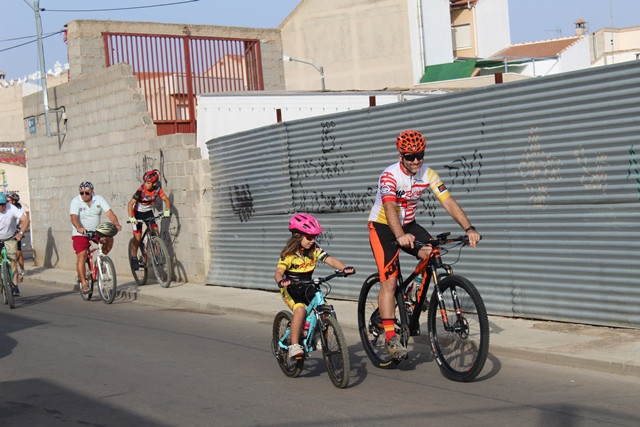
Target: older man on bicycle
[85, 210]
[392, 222]
[12, 219]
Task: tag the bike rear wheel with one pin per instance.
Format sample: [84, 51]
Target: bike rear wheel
[90, 283]
[7, 293]
[335, 352]
[107, 282]
[290, 367]
[161, 261]
[140, 273]
[372, 332]
[460, 349]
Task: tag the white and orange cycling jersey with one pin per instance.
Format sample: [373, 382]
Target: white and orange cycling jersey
[395, 185]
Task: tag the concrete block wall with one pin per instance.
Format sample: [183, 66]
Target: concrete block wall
[86, 46]
[110, 140]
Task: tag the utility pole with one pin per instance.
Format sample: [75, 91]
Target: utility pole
[43, 71]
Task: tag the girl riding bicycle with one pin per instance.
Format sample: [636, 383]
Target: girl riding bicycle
[297, 262]
[141, 207]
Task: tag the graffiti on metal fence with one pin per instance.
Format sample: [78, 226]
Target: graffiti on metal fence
[324, 167]
[331, 163]
[428, 203]
[593, 175]
[466, 171]
[325, 238]
[539, 168]
[633, 171]
[327, 139]
[342, 201]
[241, 201]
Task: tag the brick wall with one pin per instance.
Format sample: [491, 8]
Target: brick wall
[111, 141]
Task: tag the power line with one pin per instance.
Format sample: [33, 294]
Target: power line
[118, 8]
[32, 41]
[28, 37]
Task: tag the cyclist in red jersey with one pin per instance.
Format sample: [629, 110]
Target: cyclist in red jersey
[141, 207]
[392, 219]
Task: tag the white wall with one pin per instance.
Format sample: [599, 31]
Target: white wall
[220, 115]
[576, 56]
[492, 24]
[433, 39]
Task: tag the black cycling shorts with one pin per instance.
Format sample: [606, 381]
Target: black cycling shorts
[385, 250]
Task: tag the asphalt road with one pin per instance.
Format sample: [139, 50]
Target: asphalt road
[64, 361]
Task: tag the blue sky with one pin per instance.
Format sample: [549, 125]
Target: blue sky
[530, 20]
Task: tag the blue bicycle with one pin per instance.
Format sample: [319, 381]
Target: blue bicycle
[324, 333]
[6, 277]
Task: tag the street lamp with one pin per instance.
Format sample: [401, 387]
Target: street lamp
[319, 69]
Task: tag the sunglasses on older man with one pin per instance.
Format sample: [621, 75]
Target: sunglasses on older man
[412, 157]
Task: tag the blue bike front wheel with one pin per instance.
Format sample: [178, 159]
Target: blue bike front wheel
[280, 347]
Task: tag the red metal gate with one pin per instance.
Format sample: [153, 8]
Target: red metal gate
[172, 70]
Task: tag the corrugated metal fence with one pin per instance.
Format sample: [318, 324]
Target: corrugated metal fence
[171, 70]
[546, 169]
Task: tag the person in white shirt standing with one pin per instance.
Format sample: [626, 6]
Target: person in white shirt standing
[12, 220]
[85, 210]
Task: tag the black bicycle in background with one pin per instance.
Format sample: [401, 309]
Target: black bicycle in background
[152, 252]
[456, 316]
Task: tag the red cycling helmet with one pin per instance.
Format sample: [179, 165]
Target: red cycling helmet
[152, 175]
[410, 142]
[305, 224]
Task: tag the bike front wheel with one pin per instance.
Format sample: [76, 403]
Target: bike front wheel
[370, 326]
[459, 337]
[161, 261]
[107, 282]
[290, 367]
[139, 272]
[7, 292]
[335, 352]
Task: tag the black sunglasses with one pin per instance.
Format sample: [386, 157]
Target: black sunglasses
[412, 157]
[85, 193]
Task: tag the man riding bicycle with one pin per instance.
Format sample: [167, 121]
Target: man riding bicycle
[12, 219]
[392, 222]
[141, 207]
[85, 210]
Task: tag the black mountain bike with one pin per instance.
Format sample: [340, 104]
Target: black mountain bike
[456, 316]
[152, 252]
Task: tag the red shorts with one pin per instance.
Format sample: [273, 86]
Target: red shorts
[80, 243]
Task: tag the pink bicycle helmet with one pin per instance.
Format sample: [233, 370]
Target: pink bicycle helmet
[305, 224]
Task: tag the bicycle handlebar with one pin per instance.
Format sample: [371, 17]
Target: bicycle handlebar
[147, 220]
[441, 239]
[319, 280]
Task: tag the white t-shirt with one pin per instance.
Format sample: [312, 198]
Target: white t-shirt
[9, 220]
[89, 216]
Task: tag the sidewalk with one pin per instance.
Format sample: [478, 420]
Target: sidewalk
[613, 350]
